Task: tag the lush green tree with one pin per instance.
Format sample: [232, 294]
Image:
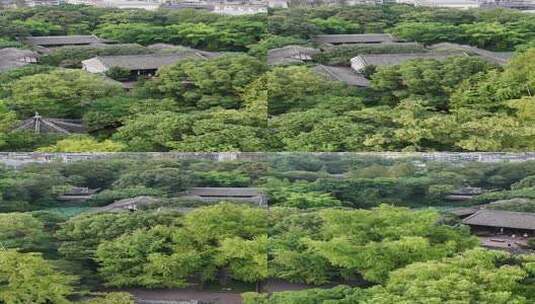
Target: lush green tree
[80, 236]
[107, 114]
[225, 220]
[246, 259]
[21, 231]
[526, 182]
[360, 248]
[153, 131]
[94, 173]
[170, 256]
[112, 298]
[428, 32]
[291, 87]
[7, 121]
[491, 35]
[148, 264]
[215, 82]
[28, 278]
[478, 275]
[310, 200]
[83, 144]
[334, 25]
[33, 188]
[171, 180]
[71, 91]
[269, 42]
[223, 179]
[39, 28]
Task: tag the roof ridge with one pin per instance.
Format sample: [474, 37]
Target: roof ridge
[507, 211]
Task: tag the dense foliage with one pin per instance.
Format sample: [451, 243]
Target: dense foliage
[476, 276]
[195, 105]
[418, 105]
[295, 180]
[333, 219]
[233, 101]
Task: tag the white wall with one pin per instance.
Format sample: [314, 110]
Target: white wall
[93, 65]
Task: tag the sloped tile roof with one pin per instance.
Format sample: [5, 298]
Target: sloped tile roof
[354, 38]
[11, 58]
[145, 62]
[224, 191]
[290, 53]
[502, 219]
[494, 57]
[395, 59]
[39, 124]
[343, 74]
[64, 40]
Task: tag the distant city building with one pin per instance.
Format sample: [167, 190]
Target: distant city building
[32, 3]
[278, 3]
[85, 2]
[188, 4]
[236, 9]
[150, 5]
[462, 4]
[8, 3]
[467, 4]
[293, 3]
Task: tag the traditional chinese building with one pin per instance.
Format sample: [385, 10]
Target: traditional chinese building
[39, 125]
[11, 58]
[231, 194]
[57, 41]
[339, 39]
[138, 65]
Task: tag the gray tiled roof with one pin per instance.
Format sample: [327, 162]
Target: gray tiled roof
[346, 75]
[495, 57]
[129, 203]
[171, 48]
[354, 38]
[290, 53]
[101, 46]
[463, 211]
[395, 59]
[224, 191]
[145, 62]
[502, 219]
[11, 58]
[381, 45]
[64, 40]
